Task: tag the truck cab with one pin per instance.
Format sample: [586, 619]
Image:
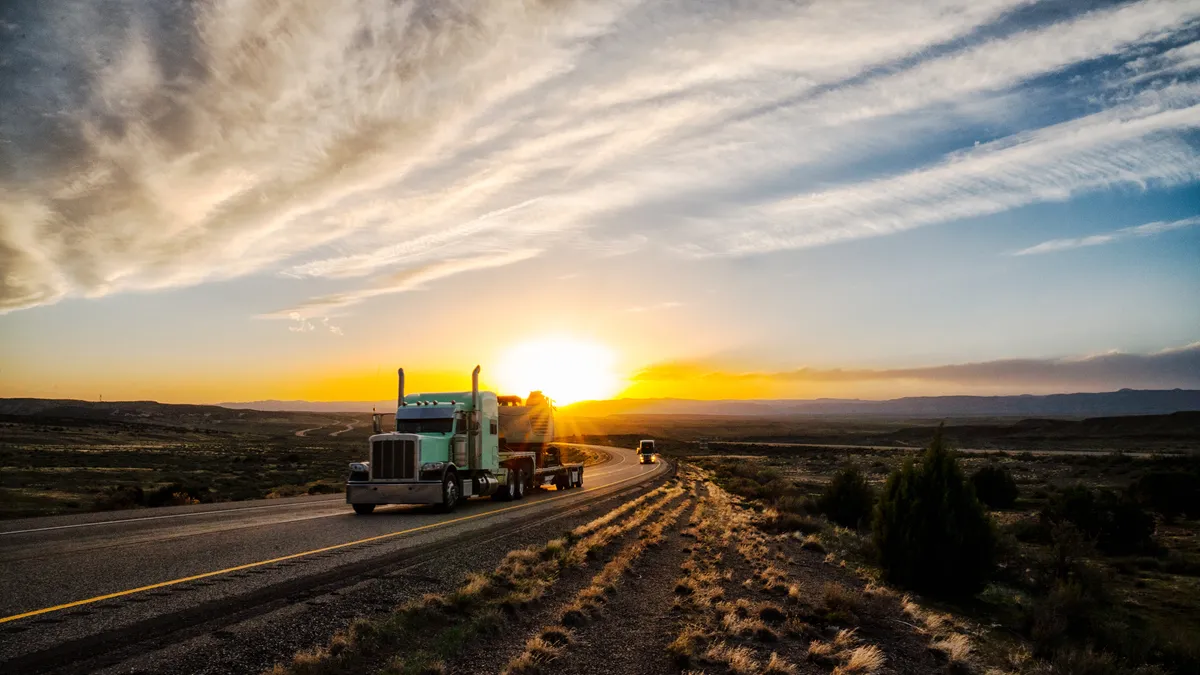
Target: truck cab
[646, 451]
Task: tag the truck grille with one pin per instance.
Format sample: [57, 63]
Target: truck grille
[394, 459]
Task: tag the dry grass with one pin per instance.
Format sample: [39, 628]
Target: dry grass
[865, 660]
[828, 652]
[771, 613]
[813, 543]
[685, 647]
[537, 655]
[552, 641]
[821, 652]
[739, 660]
[957, 648]
[840, 598]
[621, 510]
[557, 636]
[779, 666]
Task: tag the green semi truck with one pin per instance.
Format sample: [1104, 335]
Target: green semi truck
[450, 446]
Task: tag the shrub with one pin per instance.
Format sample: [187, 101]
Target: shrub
[848, 499]
[1115, 522]
[783, 522]
[119, 497]
[994, 486]
[174, 494]
[1170, 493]
[931, 532]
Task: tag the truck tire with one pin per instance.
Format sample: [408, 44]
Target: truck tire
[451, 492]
[364, 509]
[579, 481]
[517, 489]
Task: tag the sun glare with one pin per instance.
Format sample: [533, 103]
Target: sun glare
[565, 369]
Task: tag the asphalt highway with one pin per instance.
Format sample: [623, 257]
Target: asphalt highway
[70, 582]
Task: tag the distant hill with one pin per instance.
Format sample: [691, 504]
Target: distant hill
[146, 412]
[314, 406]
[1116, 403]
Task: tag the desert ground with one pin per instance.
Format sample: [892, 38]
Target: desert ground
[751, 557]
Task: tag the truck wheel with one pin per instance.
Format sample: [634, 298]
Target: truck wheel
[451, 492]
[517, 489]
[364, 509]
[579, 481]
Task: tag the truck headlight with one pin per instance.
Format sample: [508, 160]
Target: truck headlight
[360, 467]
[432, 466]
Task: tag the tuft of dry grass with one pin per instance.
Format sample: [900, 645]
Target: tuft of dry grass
[845, 639]
[771, 613]
[813, 543]
[779, 666]
[739, 660]
[866, 660]
[840, 598]
[821, 652]
[957, 648]
[537, 655]
[686, 645]
[557, 636]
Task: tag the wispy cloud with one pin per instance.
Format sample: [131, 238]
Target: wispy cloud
[670, 304]
[1146, 230]
[1177, 367]
[401, 282]
[162, 145]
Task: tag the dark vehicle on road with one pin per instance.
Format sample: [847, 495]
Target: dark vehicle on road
[646, 452]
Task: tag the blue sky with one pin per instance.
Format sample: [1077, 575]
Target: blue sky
[211, 201]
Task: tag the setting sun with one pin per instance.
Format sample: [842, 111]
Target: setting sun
[564, 368]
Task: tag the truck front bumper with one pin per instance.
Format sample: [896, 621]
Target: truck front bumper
[417, 492]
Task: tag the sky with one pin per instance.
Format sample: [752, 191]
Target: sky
[235, 200]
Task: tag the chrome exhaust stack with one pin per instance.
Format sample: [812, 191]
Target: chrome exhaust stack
[474, 436]
[400, 389]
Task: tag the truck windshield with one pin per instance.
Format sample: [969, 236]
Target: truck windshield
[431, 425]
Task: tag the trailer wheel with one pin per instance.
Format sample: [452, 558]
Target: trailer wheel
[364, 509]
[579, 481]
[517, 489]
[451, 492]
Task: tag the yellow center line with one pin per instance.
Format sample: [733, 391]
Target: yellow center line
[163, 584]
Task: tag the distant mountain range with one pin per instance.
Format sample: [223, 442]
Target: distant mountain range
[1115, 403]
[1123, 402]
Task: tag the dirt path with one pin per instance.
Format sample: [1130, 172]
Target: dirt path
[349, 427]
[304, 432]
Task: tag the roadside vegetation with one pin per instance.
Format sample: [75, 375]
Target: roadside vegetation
[50, 467]
[1061, 563]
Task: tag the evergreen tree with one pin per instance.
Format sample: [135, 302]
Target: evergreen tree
[931, 532]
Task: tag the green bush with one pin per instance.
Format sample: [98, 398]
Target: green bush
[1117, 524]
[1170, 493]
[994, 486]
[931, 532]
[848, 500]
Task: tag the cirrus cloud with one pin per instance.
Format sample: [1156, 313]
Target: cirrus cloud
[157, 145]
